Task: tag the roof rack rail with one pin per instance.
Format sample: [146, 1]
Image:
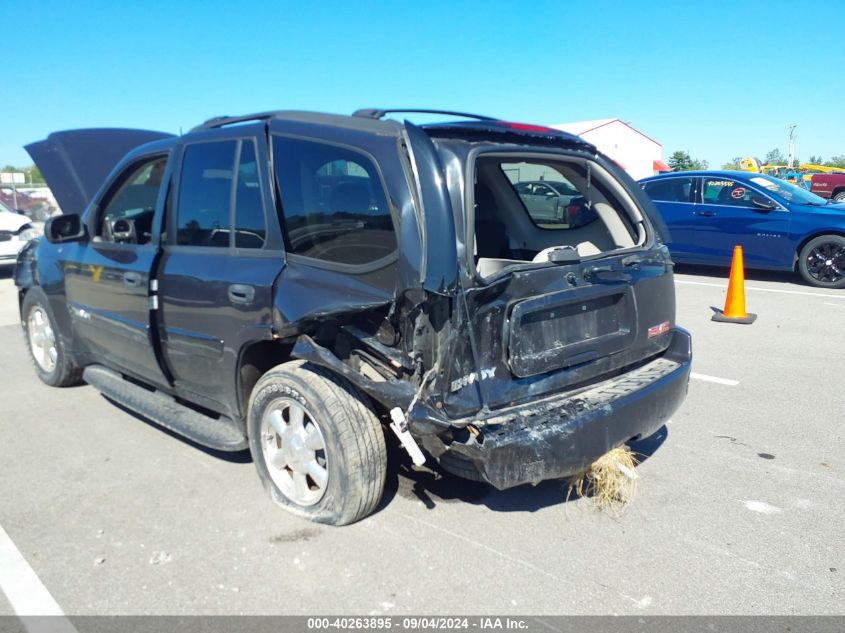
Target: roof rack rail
[220, 121]
[374, 113]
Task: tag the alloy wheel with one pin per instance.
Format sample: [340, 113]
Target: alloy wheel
[42, 339]
[826, 262]
[294, 451]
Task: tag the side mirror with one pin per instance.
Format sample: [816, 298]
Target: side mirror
[64, 228]
[764, 204]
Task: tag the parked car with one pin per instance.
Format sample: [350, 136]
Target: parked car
[296, 283]
[830, 186]
[546, 200]
[15, 232]
[779, 226]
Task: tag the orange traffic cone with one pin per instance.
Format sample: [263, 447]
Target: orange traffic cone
[734, 311]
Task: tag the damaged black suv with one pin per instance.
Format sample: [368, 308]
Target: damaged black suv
[297, 283]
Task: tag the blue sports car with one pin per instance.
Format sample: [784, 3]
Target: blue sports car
[779, 226]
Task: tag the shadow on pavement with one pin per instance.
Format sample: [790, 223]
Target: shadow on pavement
[433, 486]
[235, 457]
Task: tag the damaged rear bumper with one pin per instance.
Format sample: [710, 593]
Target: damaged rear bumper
[559, 436]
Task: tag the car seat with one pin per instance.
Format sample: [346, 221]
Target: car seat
[726, 196]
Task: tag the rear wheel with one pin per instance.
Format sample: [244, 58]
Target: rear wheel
[839, 197]
[45, 343]
[317, 445]
[822, 262]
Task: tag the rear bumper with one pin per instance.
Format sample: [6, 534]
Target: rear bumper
[559, 436]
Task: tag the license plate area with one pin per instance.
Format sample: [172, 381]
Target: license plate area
[569, 328]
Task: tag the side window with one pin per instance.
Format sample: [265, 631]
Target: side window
[335, 208]
[669, 189]
[250, 225]
[205, 192]
[127, 215]
[727, 193]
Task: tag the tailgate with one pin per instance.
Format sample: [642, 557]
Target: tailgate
[547, 330]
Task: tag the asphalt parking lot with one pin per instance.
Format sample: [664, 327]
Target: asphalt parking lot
[739, 509]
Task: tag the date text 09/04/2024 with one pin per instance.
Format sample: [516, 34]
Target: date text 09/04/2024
[415, 623]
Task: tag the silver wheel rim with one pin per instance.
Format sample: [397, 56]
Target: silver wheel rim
[42, 339]
[294, 451]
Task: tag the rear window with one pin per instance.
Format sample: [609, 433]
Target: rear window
[669, 189]
[548, 197]
[334, 205]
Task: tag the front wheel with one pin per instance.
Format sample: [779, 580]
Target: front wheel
[317, 445]
[44, 342]
[822, 262]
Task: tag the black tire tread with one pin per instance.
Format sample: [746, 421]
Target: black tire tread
[802, 256]
[360, 432]
[66, 373]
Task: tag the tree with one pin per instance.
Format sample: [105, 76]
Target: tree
[836, 161]
[681, 161]
[816, 160]
[33, 175]
[775, 157]
[733, 163]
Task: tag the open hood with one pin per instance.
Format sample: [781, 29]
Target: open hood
[76, 162]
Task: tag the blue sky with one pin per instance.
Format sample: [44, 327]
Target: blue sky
[715, 79]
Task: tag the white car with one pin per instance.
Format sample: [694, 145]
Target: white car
[15, 231]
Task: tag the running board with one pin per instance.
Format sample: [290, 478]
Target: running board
[220, 433]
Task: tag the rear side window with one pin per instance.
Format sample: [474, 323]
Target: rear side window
[334, 205]
[250, 226]
[669, 189]
[549, 198]
[205, 192]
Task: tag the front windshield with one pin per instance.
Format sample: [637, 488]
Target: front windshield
[788, 192]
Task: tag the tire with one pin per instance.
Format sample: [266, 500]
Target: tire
[822, 262]
[839, 197]
[317, 445]
[46, 346]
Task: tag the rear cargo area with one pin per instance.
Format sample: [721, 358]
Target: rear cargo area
[525, 206]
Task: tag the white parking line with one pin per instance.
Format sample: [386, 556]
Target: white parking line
[26, 593]
[785, 292]
[719, 381]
